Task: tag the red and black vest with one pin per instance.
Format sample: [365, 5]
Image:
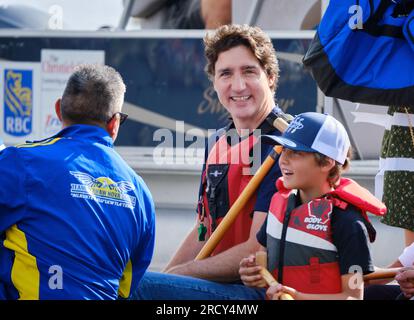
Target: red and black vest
[299, 239]
[227, 172]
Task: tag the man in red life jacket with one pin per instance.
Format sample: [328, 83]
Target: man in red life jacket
[317, 230]
[242, 64]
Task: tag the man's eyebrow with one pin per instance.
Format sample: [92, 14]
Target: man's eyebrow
[248, 67]
[223, 69]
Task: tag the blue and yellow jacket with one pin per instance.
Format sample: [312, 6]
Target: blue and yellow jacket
[76, 222]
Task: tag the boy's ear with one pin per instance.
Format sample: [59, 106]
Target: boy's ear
[328, 165]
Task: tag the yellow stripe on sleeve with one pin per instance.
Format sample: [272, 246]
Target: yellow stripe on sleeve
[126, 281]
[25, 273]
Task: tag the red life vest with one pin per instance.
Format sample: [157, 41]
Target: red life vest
[227, 174]
[310, 262]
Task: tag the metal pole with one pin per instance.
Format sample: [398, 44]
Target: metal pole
[254, 12]
[125, 14]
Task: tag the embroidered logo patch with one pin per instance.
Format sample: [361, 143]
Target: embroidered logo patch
[103, 190]
[296, 124]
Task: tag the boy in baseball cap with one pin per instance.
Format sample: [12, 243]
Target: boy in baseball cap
[316, 233]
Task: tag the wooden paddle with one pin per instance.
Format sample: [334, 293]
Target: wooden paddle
[382, 274]
[261, 260]
[244, 197]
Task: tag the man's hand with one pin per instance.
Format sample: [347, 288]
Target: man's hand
[405, 279]
[250, 273]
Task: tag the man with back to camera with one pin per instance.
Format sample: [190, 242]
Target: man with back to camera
[76, 222]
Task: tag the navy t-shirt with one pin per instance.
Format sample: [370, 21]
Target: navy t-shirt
[268, 186]
[349, 235]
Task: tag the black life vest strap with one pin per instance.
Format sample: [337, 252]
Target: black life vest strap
[289, 208]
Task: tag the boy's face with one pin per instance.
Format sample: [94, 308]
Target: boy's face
[301, 171]
[242, 86]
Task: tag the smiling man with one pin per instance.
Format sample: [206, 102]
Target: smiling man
[242, 65]
[243, 87]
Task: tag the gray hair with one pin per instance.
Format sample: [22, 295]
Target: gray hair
[93, 94]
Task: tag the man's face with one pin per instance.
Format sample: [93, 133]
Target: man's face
[242, 85]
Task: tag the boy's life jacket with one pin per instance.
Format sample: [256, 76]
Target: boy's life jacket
[299, 239]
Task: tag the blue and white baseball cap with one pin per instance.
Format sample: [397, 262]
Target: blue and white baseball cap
[314, 132]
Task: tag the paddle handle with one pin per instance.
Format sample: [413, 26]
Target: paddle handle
[244, 197]
[261, 259]
[232, 214]
[280, 124]
[382, 274]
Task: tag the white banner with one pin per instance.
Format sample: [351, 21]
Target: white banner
[57, 66]
[384, 120]
[391, 164]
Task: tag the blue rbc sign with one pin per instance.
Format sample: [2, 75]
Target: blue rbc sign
[18, 102]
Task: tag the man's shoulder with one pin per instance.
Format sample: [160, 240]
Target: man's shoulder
[36, 146]
[137, 179]
[217, 134]
[9, 154]
[130, 174]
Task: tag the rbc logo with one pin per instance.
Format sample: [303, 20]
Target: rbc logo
[18, 102]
